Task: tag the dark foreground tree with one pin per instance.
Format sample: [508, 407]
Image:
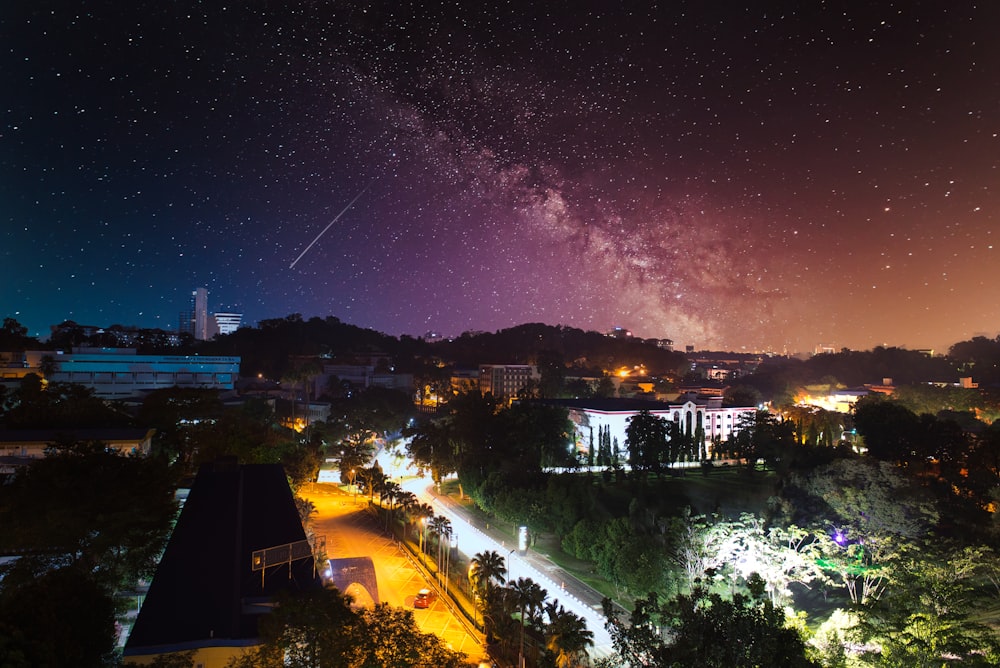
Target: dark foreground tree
[91, 506]
[706, 630]
[319, 629]
[60, 618]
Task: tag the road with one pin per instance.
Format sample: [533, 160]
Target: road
[352, 532]
[572, 594]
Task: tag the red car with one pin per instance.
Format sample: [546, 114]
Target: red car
[424, 598]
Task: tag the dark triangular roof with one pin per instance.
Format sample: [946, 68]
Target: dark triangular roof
[204, 588]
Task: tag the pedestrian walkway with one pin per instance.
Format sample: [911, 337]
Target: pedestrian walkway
[560, 585]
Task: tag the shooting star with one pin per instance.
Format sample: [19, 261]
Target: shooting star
[336, 218]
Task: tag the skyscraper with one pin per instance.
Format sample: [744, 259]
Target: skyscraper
[195, 320]
[199, 304]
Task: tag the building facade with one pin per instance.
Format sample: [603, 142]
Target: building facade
[117, 373]
[690, 413]
[505, 381]
[227, 323]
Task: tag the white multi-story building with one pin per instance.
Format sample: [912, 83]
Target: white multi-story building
[689, 412]
[227, 323]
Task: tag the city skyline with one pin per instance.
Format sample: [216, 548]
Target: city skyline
[734, 178]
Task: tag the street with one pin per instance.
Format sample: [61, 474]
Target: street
[570, 592]
[352, 532]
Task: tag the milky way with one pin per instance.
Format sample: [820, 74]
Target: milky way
[772, 177]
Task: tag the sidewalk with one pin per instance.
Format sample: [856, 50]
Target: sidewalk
[569, 582]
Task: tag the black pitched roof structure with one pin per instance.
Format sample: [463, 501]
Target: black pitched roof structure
[205, 593]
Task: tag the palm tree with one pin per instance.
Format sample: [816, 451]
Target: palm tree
[529, 596]
[440, 526]
[390, 492]
[444, 536]
[407, 502]
[375, 479]
[567, 636]
[485, 569]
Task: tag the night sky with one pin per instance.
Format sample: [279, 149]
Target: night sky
[730, 176]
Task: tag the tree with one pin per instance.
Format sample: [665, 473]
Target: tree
[320, 629]
[109, 512]
[703, 629]
[54, 405]
[552, 370]
[873, 512]
[171, 411]
[566, 637]
[432, 444]
[761, 435]
[487, 570]
[932, 614]
[529, 597]
[14, 336]
[891, 431]
[646, 441]
[60, 617]
[393, 640]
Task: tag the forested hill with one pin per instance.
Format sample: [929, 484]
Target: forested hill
[536, 343]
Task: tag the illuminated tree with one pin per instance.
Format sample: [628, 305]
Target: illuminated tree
[931, 618]
[742, 547]
[874, 511]
[566, 636]
[319, 628]
[707, 630]
[488, 569]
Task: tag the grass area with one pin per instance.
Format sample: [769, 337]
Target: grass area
[583, 571]
[728, 491]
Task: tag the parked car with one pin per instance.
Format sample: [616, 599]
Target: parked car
[424, 598]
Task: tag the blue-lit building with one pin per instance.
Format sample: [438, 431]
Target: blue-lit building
[118, 373]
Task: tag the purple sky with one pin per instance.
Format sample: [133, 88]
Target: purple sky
[768, 178]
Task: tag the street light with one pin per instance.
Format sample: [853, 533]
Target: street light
[353, 474]
[423, 537]
[474, 595]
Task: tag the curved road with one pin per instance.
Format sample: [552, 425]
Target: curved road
[572, 594]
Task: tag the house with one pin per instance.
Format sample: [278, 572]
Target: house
[237, 543]
[20, 447]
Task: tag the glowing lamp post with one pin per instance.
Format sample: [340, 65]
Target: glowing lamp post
[423, 532]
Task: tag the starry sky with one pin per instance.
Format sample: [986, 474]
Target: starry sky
[738, 176]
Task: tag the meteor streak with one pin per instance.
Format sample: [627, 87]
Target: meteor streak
[336, 218]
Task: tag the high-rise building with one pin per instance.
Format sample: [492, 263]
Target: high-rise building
[227, 323]
[194, 321]
[199, 304]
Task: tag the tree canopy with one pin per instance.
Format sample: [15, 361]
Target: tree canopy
[706, 629]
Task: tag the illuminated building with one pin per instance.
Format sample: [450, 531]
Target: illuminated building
[195, 321]
[227, 323]
[116, 373]
[689, 412]
[505, 381]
